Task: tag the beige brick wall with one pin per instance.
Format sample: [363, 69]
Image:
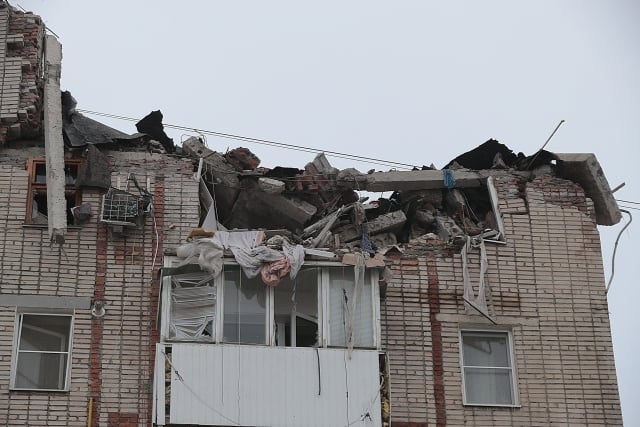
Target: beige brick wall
[546, 284]
[30, 265]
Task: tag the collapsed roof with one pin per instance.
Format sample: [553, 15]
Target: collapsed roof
[319, 205]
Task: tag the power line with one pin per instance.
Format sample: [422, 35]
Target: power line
[265, 142]
[615, 248]
[629, 207]
[627, 201]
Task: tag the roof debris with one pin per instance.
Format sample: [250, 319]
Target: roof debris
[319, 208]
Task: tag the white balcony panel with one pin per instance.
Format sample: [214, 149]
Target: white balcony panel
[273, 386]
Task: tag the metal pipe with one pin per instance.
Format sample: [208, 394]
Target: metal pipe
[90, 412]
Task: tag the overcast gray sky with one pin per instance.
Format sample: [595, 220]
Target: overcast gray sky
[408, 81]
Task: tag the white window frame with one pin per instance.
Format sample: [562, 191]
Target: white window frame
[323, 305]
[20, 312]
[511, 354]
[493, 195]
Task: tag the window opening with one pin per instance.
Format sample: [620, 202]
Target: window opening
[296, 310]
[42, 355]
[37, 203]
[487, 363]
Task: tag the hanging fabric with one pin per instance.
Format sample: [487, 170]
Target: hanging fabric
[478, 300]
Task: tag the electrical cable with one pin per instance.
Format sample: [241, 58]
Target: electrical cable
[628, 201]
[615, 248]
[259, 141]
[629, 207]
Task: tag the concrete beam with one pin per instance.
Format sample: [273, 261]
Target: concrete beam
[584, 169]
[54, 142]
[44, 301]
[408, 181]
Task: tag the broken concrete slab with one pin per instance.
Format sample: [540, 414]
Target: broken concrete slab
[226, 186]
[407, 180]
[392, 221]
[270, 185]
[242, 159]
[448, 229]
[584, 169]
[256, 209]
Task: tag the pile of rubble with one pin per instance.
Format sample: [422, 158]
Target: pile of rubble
[319, 206]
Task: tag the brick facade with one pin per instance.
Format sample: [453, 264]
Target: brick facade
[546, 285]
[21, 43]
[112, 357]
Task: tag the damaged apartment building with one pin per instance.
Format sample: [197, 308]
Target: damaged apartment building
[146, 283]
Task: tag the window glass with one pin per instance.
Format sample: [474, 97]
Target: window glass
[245, 312]
[487, 368]
[43, 352]
[481, 349]
[488, 386]
[342, 291]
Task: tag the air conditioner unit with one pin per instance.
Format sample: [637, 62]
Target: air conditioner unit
[121, 208]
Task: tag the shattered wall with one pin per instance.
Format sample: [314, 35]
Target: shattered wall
[21, 42]
[546, 284]
[113, 355]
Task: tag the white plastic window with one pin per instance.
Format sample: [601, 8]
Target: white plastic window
[245, 309]
[488, 371]
[351, 307]
[42, 352]
[322, 306]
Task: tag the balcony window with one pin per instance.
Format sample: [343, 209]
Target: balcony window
[245, 309]
[320, 307]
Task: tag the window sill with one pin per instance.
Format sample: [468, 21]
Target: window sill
[492, 405]
[45, 226]
[36, 390]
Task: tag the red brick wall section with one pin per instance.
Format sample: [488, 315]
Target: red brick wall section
[436, 342]
[123, 419]
[97, 325]
[158, 212]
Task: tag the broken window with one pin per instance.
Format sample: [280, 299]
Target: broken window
[488, 375]
[193, 307]
[42, 351]
[37, 204]
[232, 308]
